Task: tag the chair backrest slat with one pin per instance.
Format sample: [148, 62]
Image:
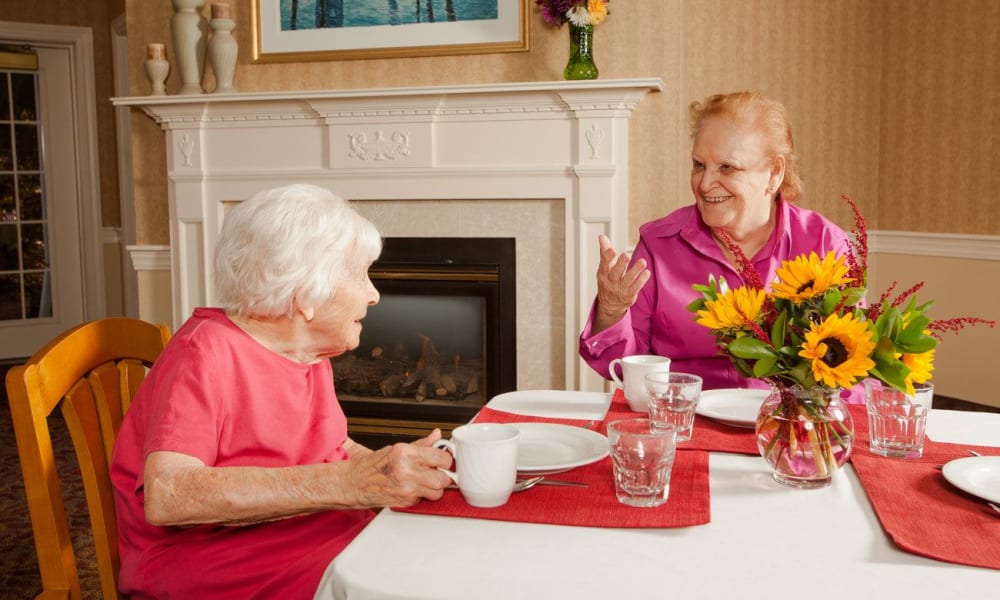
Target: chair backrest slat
[105, 381]
[90, 373]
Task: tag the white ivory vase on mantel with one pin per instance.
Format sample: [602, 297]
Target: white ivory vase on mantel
[190, 35]
[399, 153]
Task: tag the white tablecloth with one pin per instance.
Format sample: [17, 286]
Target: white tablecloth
[765, 541]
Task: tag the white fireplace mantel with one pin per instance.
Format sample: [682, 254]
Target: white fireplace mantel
[518, 141]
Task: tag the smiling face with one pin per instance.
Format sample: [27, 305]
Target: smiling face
[732, 176]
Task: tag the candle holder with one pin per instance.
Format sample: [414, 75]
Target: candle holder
[157, 68]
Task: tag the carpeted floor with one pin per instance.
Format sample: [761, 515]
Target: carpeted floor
[19, 578]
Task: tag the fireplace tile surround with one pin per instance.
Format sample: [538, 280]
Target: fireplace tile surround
[543, 162]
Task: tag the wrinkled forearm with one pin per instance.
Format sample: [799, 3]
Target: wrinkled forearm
[196, 494]
[181, 490]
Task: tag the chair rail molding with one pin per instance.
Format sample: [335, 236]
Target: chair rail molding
[945, 245]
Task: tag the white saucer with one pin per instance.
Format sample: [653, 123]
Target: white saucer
[546, 448]
[733, 406]
[977, 475]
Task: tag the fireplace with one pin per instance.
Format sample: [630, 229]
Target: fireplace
[440, 343]
[546, 163]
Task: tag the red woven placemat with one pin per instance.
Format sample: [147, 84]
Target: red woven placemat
[596, 504]
[920, 511]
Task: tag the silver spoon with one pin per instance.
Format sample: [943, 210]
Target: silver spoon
[519, 486]
[523, 484]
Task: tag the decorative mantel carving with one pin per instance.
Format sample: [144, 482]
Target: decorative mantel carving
[537, 140]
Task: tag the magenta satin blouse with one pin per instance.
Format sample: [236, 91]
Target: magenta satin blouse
[680, 251]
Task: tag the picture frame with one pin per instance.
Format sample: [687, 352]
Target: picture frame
[356, 29]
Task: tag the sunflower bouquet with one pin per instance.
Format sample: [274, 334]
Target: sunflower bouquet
[811, 334]
[813, 327]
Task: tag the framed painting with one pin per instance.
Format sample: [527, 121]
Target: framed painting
[305, 30]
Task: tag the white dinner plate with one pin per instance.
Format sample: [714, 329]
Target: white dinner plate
[558, 404]
[546, 448]
[733, 406]
[977, 475]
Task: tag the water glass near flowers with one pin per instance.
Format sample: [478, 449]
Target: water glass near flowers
[673, 400]
[896, 420]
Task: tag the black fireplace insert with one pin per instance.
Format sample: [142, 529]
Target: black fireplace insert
[439, 344]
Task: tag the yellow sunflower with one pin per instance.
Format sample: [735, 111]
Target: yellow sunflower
[732, 309]
[839, 350]
[807, 276]
[920, 366]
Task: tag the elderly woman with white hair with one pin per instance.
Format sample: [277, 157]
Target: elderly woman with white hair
[233, 472]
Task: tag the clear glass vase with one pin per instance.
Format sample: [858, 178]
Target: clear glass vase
[804, 435]
[581, 53]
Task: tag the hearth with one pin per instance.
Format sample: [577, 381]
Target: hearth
[440, 343]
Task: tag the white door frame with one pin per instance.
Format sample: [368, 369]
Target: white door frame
[78, 41]
[126, 187]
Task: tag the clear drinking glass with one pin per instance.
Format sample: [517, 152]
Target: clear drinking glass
[896, 420]
[642, 458]
[673, 398]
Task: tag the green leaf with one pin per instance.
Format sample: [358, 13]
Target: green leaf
[853, 296]
[744, 367]
[750, 348]
[802, 374]
[888, 323]
[914, 331]
[696, 305]
[765, 367]
[918, 346]
[892, 374]
[778, 329]
[831, 299]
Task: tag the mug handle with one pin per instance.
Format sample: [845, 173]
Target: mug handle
[450, 447]
[614, 376]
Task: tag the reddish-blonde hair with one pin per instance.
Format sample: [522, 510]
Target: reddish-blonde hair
[765, 114]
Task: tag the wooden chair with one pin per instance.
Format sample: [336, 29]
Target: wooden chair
[90, 373]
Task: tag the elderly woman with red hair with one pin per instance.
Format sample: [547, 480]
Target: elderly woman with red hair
[745, 181]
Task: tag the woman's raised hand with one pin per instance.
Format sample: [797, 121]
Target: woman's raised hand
[618, 285]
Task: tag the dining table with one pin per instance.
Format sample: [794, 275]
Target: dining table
[751, 537]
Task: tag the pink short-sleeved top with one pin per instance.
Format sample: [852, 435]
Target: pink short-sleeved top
[218, 395]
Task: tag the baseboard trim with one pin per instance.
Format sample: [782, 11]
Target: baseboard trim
[947, 403]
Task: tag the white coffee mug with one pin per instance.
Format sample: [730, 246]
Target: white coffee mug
[633, 380]
[485, 462]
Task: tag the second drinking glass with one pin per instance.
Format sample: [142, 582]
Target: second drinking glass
[673, 398]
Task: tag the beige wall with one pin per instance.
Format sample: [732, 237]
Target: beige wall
[893, 103]
[880, 92]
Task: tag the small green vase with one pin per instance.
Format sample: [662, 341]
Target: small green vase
[581, 53]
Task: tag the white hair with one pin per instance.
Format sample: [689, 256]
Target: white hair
[286, 245]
